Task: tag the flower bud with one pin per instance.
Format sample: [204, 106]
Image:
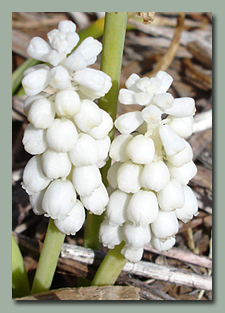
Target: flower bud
[127, 96]
[109, 235]
[151, 114]
[128, 177]
[33, 178]
[29, 100]
[97, 201]
[161, 244]
[61, 41]
[166, 81]
[101, 131]
[131, 254]
[36, 79]
[155, 176]
[128, 122]
[36, 202]
[41, 113]
[55, 164]
[59, 199]
[142, 208]
[59, 77]
[141, 150]
[190, 207]
[85, 151]
[103, 146]
[181, 157]
[131, 82]
[184, 173]
[183, 126]
[61, 135]
[164, 100]
[34, 140]
[66, 27]
[182, 107]
[171, 197]
[171, 141]
[67, 103]
[136, 236]
[86, 179]
[73, 222]
[117, 206]
[112, 174]
[118, 147]
[166, 225]
[38, 49]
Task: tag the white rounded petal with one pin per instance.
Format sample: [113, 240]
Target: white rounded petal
[112, 174]
[67, 103]
[136, 236]
[55, 164]
[110, 236]
[128, 177]
[142, 208]
[30, 99]
[127, 96]
[181, 157]
[36, 202]
[182, 107]
[151, 114]
[128, 122]
[164, 100]
[171, 141]
[141, 150]
[67, 27]
[103, 146]
[184, 173]
[166, 81]
[59, 199]
[117, 206]
[89, 116]
[183, 126]
[131, 82]
[101, 131]
[38, 49]
[73, 222]
[155, 176]
[190, 207]
[143, 98]
[86, 179]
[36, 79]
[166, 225]
[61, 135]
[85, 151]
[41, 113]
[118, 147]
[34, 140]
[162, 245]
[34, 179]
[59, 77]
[131, 254]
[97, 201]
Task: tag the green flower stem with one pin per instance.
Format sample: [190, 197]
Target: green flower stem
[20, 283]
[111, 62]
[110, 268]
[48, 259]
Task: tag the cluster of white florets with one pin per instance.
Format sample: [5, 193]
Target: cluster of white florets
[152, 165]
[67, 132]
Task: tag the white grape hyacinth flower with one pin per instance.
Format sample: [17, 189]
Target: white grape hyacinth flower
[152, 163]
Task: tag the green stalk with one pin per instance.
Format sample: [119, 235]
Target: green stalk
[20, 283]
[110, 268]
[111, 62]
[48, 259]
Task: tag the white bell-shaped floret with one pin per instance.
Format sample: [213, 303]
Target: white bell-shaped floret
[131, 82]
[97, 201]
[184, 173]
[34, 179]
[66, 26]
[59, 77]
[131, 254]
[190, 207]
[117, 206]
[73, 222]
[128, 177]
[61, 135]
[143, 98]
[136, 236]
[151, 114]
[182, 107]
[182, 157]
[55, 164]
[141, 150]
[36, 79]
[41, 113]
[183, 126]
[67, 103]
[62, 41]
[112, 174]
[127, 96]
[171, 197]
[101, 131]
[164, 100]
[110, 236]
[103, 146]
[166, 81]
[36, 202]
[38, 49]
[30, 99]
[86, 179]
[92, 83]
[142, 208]
[89, 116]
[84, 55]
[162, 245]
[34, 140]
[85, 151]
[117, 150]
[171, 141]
[59, 199]
[128, 122]
[166, 225]
[155, 176]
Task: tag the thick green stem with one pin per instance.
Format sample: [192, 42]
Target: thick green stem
[110, 268]
[20, 283]
[48, 259]
[111, 62]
